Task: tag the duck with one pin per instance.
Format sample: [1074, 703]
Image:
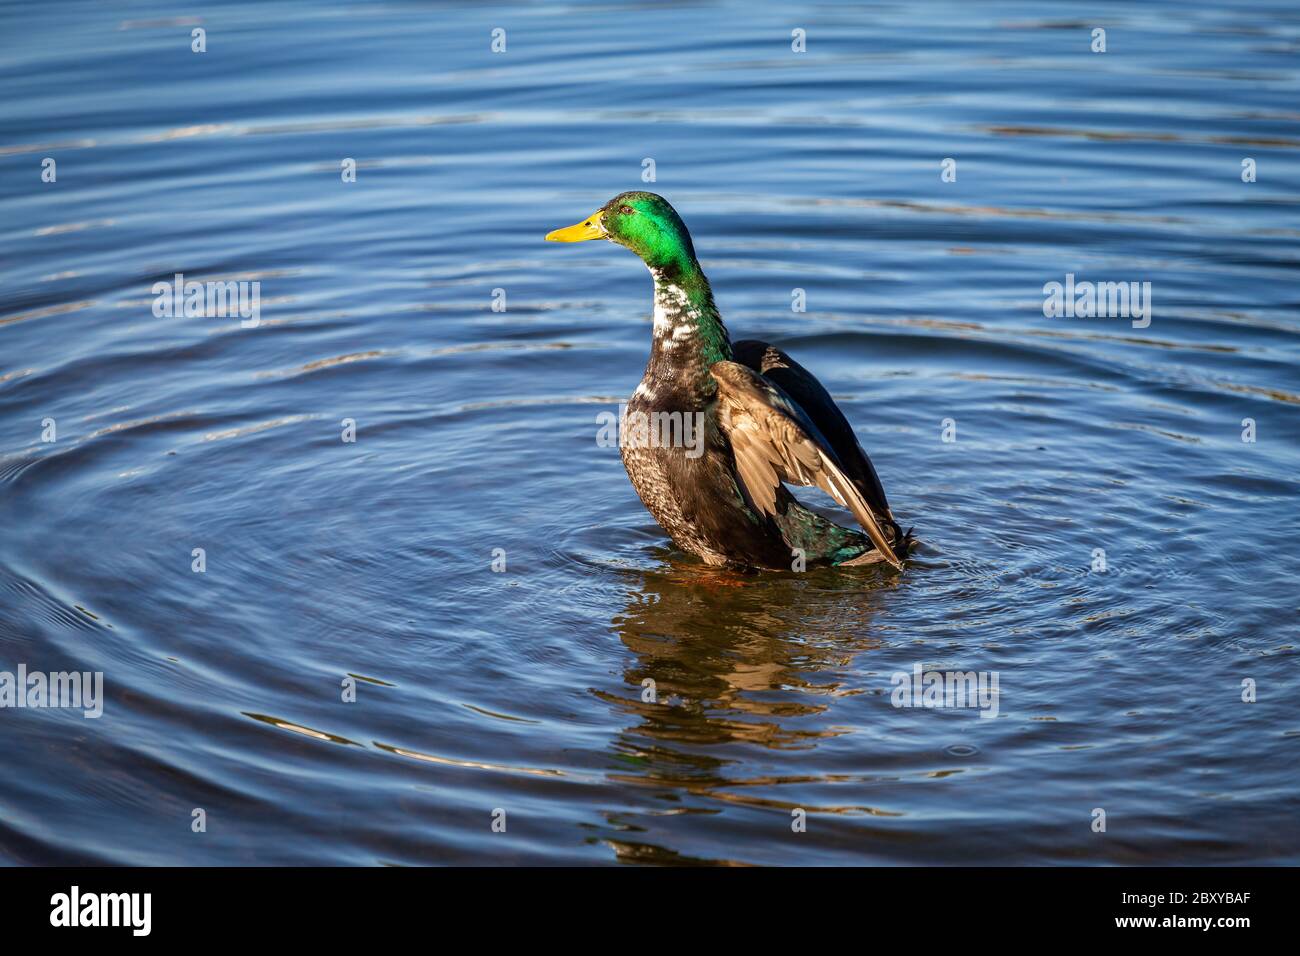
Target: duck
[757, 421]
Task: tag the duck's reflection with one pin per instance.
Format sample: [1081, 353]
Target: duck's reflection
[726, 657]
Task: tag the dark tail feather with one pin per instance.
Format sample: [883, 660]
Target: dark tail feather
[902, 540]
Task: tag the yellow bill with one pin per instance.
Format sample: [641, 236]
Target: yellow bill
[589, 228]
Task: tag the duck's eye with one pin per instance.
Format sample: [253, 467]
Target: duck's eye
[626, 210]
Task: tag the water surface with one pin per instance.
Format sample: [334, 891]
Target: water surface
[476, 431]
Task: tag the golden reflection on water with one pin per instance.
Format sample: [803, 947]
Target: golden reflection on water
[738, 658]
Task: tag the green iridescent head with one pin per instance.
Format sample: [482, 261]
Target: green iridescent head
[645, 223]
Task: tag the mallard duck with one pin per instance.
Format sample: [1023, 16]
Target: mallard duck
[766, 422]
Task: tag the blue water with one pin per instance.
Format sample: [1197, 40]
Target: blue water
[521, 690]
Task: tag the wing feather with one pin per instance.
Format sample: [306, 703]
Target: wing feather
[802, 387]
[773, 441]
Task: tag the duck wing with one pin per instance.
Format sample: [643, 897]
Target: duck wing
[774, 440]
[811, 396]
